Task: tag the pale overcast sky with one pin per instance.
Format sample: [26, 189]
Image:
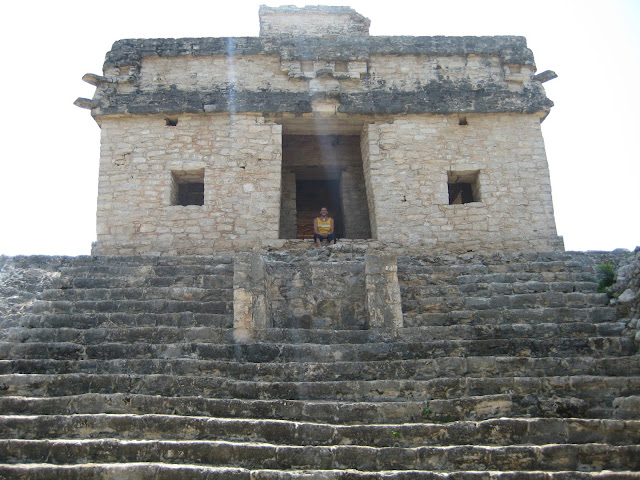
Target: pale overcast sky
[50, 148]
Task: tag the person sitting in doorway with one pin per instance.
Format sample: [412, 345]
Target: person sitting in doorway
[323, 228]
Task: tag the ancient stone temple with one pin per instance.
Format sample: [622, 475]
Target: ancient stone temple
[213, 144]
[446, 336]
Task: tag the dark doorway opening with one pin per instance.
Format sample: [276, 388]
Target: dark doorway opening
[311, 195]
[323, 170]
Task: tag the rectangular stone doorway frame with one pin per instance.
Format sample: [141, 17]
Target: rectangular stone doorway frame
[322, 170]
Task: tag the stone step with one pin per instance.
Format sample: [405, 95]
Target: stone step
[507, 316]
[217, 280]
[457, 268]
[480, 318]
[87, 260]
[163, 471]
[179, 292]
[443, 304]
[96, 336]
[224, 280]
[134, 306]
[570, 258]
[471, 408]
[108, 320]
[558, 279]
[579, 396]
[554, 457]
[503, 431]
[333, 411]
[176, 334]
[491, 289]
[306, 352]
[117, 268]
[419, 278]
[568, 277]
[419, 369]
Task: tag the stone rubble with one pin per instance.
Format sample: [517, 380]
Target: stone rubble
[625, 292]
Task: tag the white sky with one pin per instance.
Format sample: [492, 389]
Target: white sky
[50, 148]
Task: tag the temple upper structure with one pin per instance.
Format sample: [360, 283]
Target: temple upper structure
[212, 144]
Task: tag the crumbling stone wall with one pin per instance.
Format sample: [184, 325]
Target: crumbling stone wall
[317, 294]
[341, 288]
[313, 20]
[626, 291]
[23, 279]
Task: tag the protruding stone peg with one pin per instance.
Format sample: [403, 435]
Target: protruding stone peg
[545, 76]
[94, 79]
[85, 103]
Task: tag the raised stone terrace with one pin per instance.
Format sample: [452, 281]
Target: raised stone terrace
[505, 366]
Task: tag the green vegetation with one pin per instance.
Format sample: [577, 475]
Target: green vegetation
[606, 277]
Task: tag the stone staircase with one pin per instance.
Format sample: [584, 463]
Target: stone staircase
[507, 367]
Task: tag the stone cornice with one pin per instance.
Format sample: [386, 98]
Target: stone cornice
[434, 98]
[512, 49]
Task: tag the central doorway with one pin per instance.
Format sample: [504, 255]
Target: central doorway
[323, 170]
[311, 195]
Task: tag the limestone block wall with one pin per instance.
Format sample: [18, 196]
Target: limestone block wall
[244, 72]
[239, 159]
[421, 113]
[354, 204]
[315, 20]
[409, 72]
[288, 217]
[268, 72]
[407, 166]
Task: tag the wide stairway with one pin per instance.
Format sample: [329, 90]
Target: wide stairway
[507, 367]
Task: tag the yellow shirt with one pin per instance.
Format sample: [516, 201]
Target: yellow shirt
[324, 226]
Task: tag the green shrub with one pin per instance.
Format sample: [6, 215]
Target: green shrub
[605, 277]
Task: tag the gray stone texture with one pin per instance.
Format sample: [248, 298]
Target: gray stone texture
[140, 367]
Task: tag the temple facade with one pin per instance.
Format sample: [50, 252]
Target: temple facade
[234, 144]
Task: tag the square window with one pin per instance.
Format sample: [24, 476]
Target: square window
[187, 187]
[463, 187]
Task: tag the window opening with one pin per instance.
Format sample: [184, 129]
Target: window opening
[187, 187]
[463, 187]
